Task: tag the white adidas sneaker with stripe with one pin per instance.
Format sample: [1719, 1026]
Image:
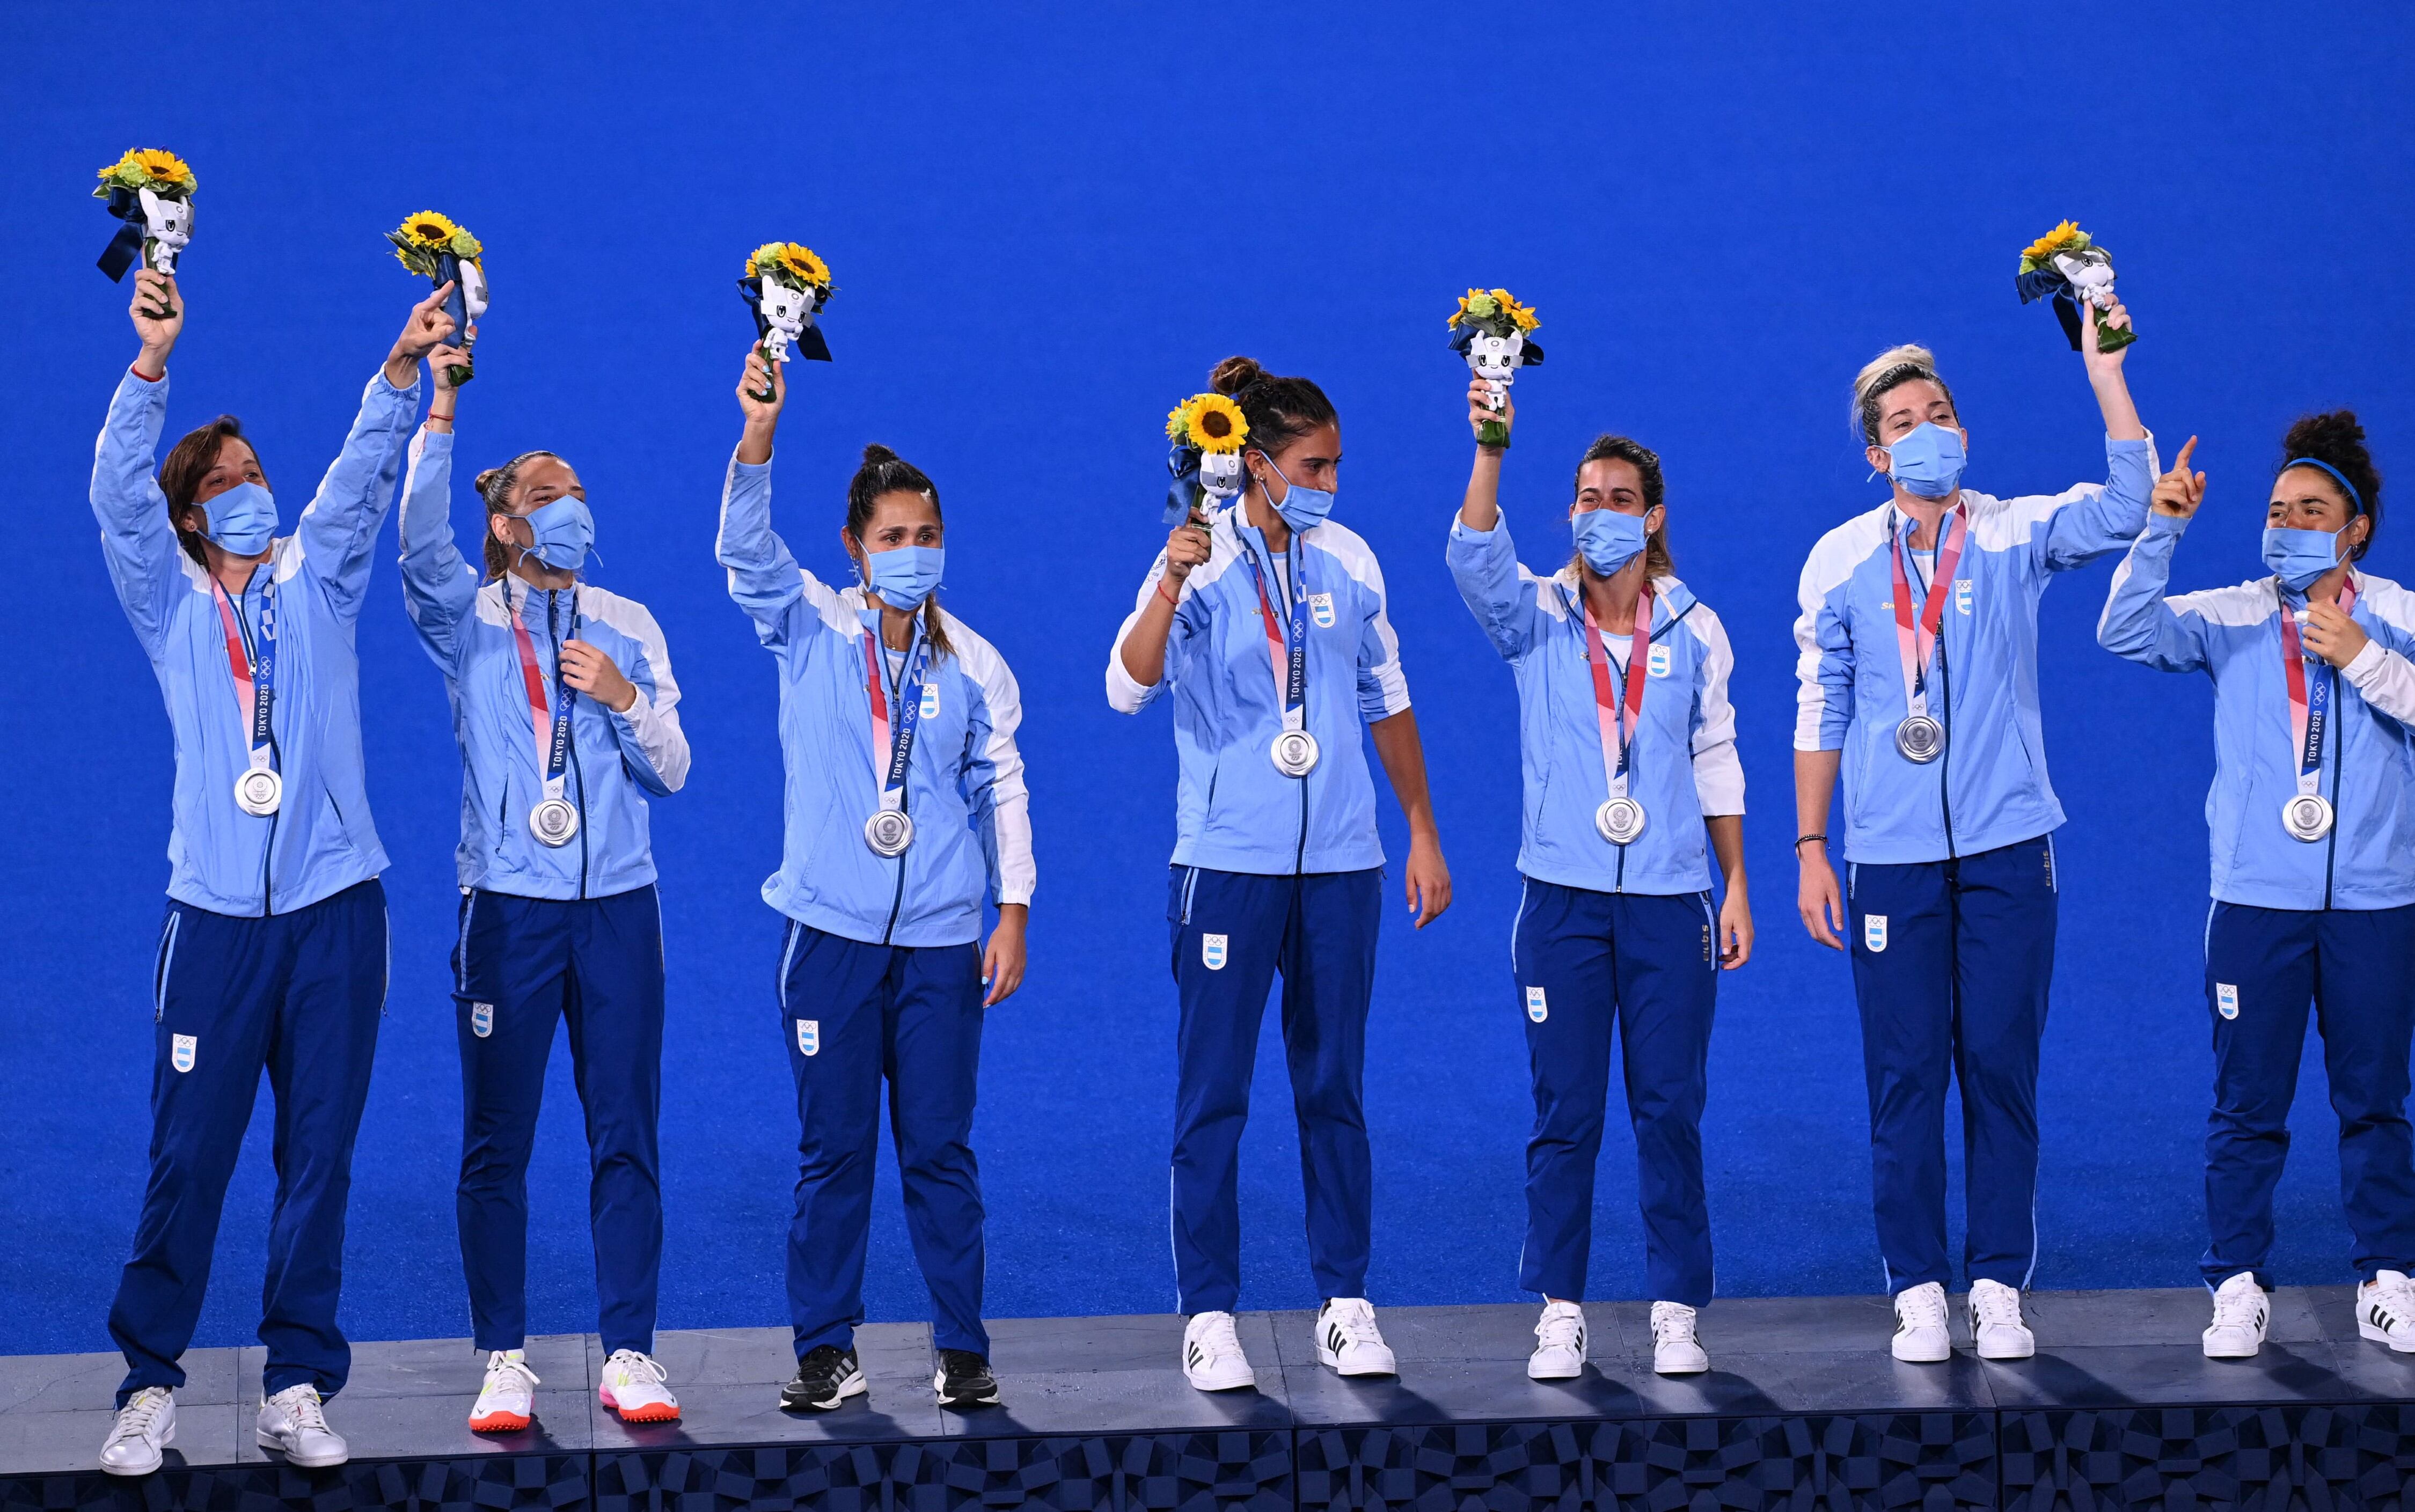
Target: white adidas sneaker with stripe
[2385, 1310]
[1211, 1354]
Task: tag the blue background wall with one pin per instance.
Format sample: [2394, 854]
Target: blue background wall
[1046, 228]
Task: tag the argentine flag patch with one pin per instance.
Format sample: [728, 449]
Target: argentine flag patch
[482, 1019]
[931, 700]
[1320, 608]
[809, 1037]
[2226, 999]
[1962, 596]
[180, 1053]
[1657, 664]
[1211, 951]
[1874, 933]
[1536, 1008]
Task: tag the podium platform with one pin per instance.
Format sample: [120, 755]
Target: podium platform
[1804, 1410]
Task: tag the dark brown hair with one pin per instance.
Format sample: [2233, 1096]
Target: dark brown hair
[495, 487]
[1280, 410]
[2337, 440]
[1607, 447]
[885, 472]
[189, 461]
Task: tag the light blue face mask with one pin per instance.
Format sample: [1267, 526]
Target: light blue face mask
[1607, 539]
[242, 519]
[906, 574]
[1303, 508]
[564, 531]
[1928, 460]
[2299, 557]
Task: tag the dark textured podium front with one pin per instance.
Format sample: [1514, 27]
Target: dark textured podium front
[1805, 1411]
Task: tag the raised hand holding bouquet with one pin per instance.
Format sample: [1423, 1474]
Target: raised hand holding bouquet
[151, 190]
[787, 286]
[441, 252]
[1207, 432]
[1490, 329]
[2063, 264]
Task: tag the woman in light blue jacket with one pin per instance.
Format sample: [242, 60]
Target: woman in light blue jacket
[905, 807]
[1627, 743]
[271, 957]
[567, 716]
[2312, 820]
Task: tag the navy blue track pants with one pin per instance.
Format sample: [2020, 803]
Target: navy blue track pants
[2263, 967]
[1587, 962]
[298, 996]
[1232, 931]
[854, 1013]
[1951, 965]
[594, 965]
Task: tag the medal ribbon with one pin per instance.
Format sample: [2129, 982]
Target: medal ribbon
[2310, 698]
[255, 680]
[1916, 639]
[899, 745]
[553, 744]
[1291, 667]
[1620, 715]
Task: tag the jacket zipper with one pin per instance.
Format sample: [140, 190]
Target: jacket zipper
[1945, 766]
[578, 772]
[897, 899]
[2339, 760]
[275, 754]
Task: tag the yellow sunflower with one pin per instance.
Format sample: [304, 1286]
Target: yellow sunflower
[429, 230]
[1216, 424]
[153, 168]
[1521, 316]
[1177, 421]
[797, 262]
[2062, 237]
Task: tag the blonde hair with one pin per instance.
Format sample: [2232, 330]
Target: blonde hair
[1895, 366]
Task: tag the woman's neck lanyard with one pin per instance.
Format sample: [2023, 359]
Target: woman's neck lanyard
[1294, 751]
[554, 820]
[259, 788]
[891, 828]
[1619, 715]
[2306, 814]
[1920, 738]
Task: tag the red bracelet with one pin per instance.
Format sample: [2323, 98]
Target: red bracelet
[136, 368]
[1171, 598]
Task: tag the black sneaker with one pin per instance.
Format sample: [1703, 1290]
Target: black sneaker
[827, 1376]
[964, 1380]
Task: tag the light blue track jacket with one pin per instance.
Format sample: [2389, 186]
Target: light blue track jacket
[616, 758]
[1990, 788]
[320, 841]
[1681, 761]
[1233, 811]
[963, 783]
[2234, 636]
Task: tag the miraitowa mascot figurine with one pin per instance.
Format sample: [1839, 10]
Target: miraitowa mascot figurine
[151, 190]
[787, 286]
[2064, 265]
[1491, 330]
[1207, 432]
[441, 252]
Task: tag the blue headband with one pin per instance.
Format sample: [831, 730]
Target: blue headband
[2355, 499]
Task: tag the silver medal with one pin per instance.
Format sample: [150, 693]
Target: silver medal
[2307, 816]
[258, 791]
[1920, 738]
[1294, 752]
[1619, 820]
[889, 832]
[554, 821]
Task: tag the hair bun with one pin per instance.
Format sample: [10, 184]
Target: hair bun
[875, 454]
[1235, 374]
[485, 479]
[2335, 438]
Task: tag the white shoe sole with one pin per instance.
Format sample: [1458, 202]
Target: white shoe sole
[1333, 1362]
[1694, 1367]
[159, 1458]
[939, 1389]
[1245, 1381]
[1553, 1373]
[1920, 1354]
[270, 1441]
[2232, 1354]
[852, 1386]
[1997, 1352]
[2367, 1331]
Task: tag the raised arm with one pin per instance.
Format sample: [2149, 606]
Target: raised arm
[440, 590]
[2139, 623]
[1482, 559]
[764, 578]
[2090, 522]
[339, 530]
[1164, 612]
[146, 559]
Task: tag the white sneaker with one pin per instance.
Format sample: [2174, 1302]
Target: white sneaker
[294, 1424]
[1346, 1340]
[2385, 1310]
[1675, 1351]
[2241, 1311]
[508, 1397]
[1995, 1328]
[1211, 1354]
[143, 1427]
[1559, 1343]
[1920, 1334]
[632, 1387]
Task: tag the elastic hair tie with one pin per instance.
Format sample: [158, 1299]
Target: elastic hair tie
[2354, 498]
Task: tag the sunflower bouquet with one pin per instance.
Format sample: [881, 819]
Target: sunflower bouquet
[437, 250]
[788, 285]
[1209, 431]
[1491, 330]
[151, 190]
[2066, 266]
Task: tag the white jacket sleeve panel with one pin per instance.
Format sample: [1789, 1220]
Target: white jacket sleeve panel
[993, 775]
[1383, 687]
[1718, 772]
[650, 737]
[1127, 695]
[1823, 640]
[2387, 680]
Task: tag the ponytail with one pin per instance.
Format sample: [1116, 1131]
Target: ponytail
[885, 472]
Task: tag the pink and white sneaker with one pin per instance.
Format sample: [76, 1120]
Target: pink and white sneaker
[632, 1387]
